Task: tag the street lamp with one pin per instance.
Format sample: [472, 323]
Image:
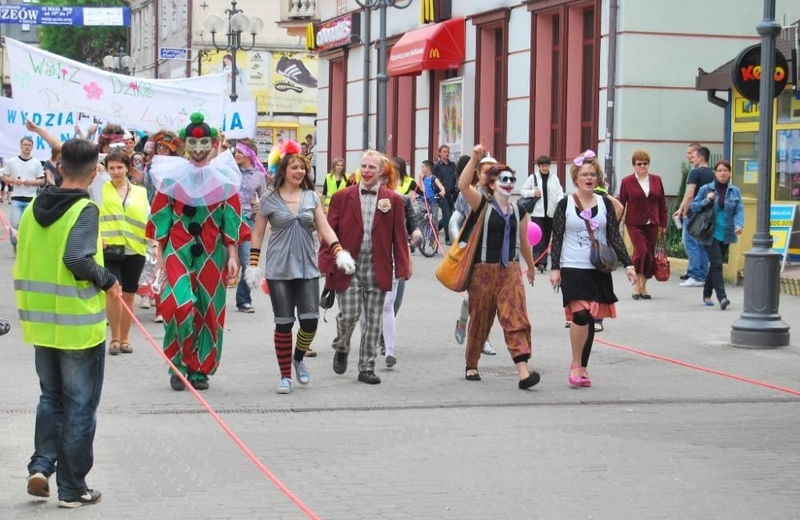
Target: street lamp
[760, 325]
[237, 24]
[382, 77]
[121, 63]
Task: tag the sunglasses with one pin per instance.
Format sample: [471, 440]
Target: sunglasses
[642, 163]
[507, 179]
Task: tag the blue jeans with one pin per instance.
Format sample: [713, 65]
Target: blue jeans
[696, 253]
[71, 382]
[17, 207]
[242, 290]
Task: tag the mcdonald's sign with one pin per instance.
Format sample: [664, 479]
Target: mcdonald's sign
[435, 11]
[311, 36]
[433, 54]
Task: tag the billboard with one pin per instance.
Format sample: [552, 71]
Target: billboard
[252, 73]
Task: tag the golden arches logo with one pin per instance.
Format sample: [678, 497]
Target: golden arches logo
[311, 37]
[433, 53]
[428, 14]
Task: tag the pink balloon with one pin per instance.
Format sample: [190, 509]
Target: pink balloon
[534, 233]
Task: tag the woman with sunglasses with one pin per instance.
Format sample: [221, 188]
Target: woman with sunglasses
[642, 196]
[495, 286]
[196, 215]
[587, 293]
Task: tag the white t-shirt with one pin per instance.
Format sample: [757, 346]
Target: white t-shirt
[27, 170]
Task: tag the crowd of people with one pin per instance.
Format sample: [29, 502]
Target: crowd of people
[173, 216]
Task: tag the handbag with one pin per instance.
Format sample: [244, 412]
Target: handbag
[602, 257]
[327, 298]
[527, 203]
[701, 224]
[662, 269]
[455, 270]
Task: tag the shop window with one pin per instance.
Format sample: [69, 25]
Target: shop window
[745, 162]
[788, 108]
[787, 165]
[555, 87]
[588, 82]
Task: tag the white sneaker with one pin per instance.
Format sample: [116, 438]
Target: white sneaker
[285, 386]
[145, 302]
[691, 282]
[488, 349]
[159, 319]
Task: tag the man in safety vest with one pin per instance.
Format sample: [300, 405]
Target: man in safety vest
[59, 281]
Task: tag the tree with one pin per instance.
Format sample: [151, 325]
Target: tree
[84, 44]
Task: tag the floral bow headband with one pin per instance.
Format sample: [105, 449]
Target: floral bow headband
[586, 156]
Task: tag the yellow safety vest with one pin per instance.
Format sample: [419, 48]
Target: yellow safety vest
[55, 309]
[124, 226]
[332, 186]
[403, 188]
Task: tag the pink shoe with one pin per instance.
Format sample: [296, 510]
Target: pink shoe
[575, 380]
[585, 381]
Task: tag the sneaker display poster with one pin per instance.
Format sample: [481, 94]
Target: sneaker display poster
[293, 88]
[252, 74]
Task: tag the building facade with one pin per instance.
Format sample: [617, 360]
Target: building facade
[551, 77]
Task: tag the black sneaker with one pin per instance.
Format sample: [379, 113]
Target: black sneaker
[38, 485]
[89, 497]
[296, 71]
[176, 383]
[684, 276]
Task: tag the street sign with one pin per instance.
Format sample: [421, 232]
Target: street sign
[169, 53]
[66, 15]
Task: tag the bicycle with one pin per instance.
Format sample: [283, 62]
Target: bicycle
[429, 244]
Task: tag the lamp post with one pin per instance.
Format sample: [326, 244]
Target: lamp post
[383, 78]
[760, 325]
[121, 63]
[237, 24]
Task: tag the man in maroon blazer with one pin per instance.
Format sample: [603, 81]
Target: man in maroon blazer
[369, 220]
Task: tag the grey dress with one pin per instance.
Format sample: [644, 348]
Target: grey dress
[291, 250]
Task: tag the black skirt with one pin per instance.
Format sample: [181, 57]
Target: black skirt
[587, 284]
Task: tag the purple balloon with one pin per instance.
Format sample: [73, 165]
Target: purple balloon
[534, 233]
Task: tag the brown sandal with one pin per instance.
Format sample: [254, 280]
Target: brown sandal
[125, 348]
[114, 347]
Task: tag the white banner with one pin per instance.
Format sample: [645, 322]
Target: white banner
[240, 119]
[12, 129]
[46, 82]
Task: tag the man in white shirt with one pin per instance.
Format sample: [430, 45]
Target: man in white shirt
[26, 174]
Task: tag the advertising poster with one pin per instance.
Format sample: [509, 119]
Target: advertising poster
[783, 228]
[451, 114]
[252, 75]
[293, 88]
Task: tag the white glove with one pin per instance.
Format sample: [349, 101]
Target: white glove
[345, 262]
[252, 276]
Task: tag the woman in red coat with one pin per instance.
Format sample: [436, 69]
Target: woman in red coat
[642, 196]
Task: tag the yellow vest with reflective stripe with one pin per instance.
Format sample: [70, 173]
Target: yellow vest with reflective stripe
[124, 226]
[55, 309]
[332, 186]
[403, 188]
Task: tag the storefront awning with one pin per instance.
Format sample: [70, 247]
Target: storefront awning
[437, 46]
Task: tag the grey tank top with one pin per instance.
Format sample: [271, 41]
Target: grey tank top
[291, 250]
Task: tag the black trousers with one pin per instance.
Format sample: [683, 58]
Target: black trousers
[446, 205]
[714, 281]
[546, 223]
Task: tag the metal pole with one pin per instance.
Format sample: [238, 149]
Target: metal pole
[234, 71]
[760, 325]
[383, 79]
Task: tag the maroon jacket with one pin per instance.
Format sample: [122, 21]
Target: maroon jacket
[640, 209]
[389, 245]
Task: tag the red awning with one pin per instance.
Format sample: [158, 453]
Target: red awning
[433, 47]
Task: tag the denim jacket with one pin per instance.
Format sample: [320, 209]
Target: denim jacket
[733, 209]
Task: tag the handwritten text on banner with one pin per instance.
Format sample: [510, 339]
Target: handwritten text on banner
[46, 82]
